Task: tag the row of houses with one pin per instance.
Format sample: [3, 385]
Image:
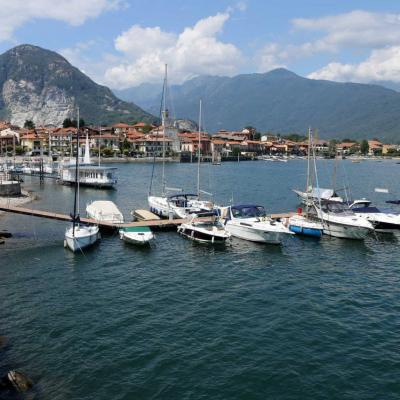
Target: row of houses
[143, 140]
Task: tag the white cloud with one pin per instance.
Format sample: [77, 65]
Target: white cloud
[271, 56]
[14, 13]
[360, 29]
[355, 31]
[195, 51]
[381, 65]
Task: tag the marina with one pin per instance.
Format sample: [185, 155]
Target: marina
[227, 299]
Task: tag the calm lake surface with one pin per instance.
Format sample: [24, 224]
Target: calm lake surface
[309, 319]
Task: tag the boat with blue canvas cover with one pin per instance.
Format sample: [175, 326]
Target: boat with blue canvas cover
[384, 220]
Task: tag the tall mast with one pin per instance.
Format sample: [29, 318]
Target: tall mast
[76, 194]
[308, 160]
[164, 116]
[99, 142]
[77, 169]
[199, 154]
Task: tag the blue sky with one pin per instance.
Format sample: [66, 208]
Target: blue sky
[124, 43]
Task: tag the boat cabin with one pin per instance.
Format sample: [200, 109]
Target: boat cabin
[248, 211]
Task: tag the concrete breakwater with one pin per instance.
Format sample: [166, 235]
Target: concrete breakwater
[24, 198]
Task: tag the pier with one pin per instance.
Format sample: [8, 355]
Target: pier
[155, 224]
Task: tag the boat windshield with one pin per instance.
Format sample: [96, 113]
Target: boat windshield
[248, 212]
[337, 208]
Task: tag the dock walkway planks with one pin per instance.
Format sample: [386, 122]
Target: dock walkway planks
[64, 217]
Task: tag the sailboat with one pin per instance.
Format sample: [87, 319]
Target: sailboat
[302, 224]
[210, 231]
[337, 218]
[179, 204]
[79, 236]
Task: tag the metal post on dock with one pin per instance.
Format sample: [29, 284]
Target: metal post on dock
[41, 172]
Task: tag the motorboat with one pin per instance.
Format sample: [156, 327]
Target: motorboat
[385, 221]
[210, 231]
[105, 211]
[340, 221]
[250, 222]
[79, 236]
[141, 235]
[303, 225]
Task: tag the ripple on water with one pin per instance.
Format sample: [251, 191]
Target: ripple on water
[308, 319]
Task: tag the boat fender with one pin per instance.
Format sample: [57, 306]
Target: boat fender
[286, 222]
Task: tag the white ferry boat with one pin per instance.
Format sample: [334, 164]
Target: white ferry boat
[89, 174]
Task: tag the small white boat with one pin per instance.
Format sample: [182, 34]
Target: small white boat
[384, 221]
[104, 210]
[212, 231]
[141, 235]
[81, 236]
[303, 225]
[249, 222]
[340, 221]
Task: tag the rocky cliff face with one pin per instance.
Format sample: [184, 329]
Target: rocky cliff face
[41, 85]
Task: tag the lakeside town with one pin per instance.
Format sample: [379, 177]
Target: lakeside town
[141, 140]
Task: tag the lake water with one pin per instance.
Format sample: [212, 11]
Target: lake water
[308, 319]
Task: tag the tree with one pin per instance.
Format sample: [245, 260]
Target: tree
[147, 128]
[252, 131]
[235, 151]
[72, 123]
[332, 147]
[364, 147]
[257, 136]
[67, 123]
[29, 124]
[107, 152]
[294, 137]
[19, 150]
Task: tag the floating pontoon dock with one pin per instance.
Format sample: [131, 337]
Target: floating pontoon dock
[162, 223]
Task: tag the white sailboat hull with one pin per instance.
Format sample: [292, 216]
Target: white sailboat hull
[84, 236]
[160, 206]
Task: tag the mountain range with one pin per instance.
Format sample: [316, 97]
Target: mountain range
[281, 102]
[42, 86]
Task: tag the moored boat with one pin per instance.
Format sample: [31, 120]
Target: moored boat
[211, 231]
[340, 221]
[384, 221]
[140, 235]
[250, 222]
[79, 236]
[104, 210]
[303, 225]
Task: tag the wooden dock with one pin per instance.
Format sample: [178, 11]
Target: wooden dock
[156, 224]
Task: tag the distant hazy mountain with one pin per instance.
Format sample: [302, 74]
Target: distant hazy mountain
[281, 101]
[43, 86]
[387, 84]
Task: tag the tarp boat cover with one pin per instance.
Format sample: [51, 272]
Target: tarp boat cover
[104, 210]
